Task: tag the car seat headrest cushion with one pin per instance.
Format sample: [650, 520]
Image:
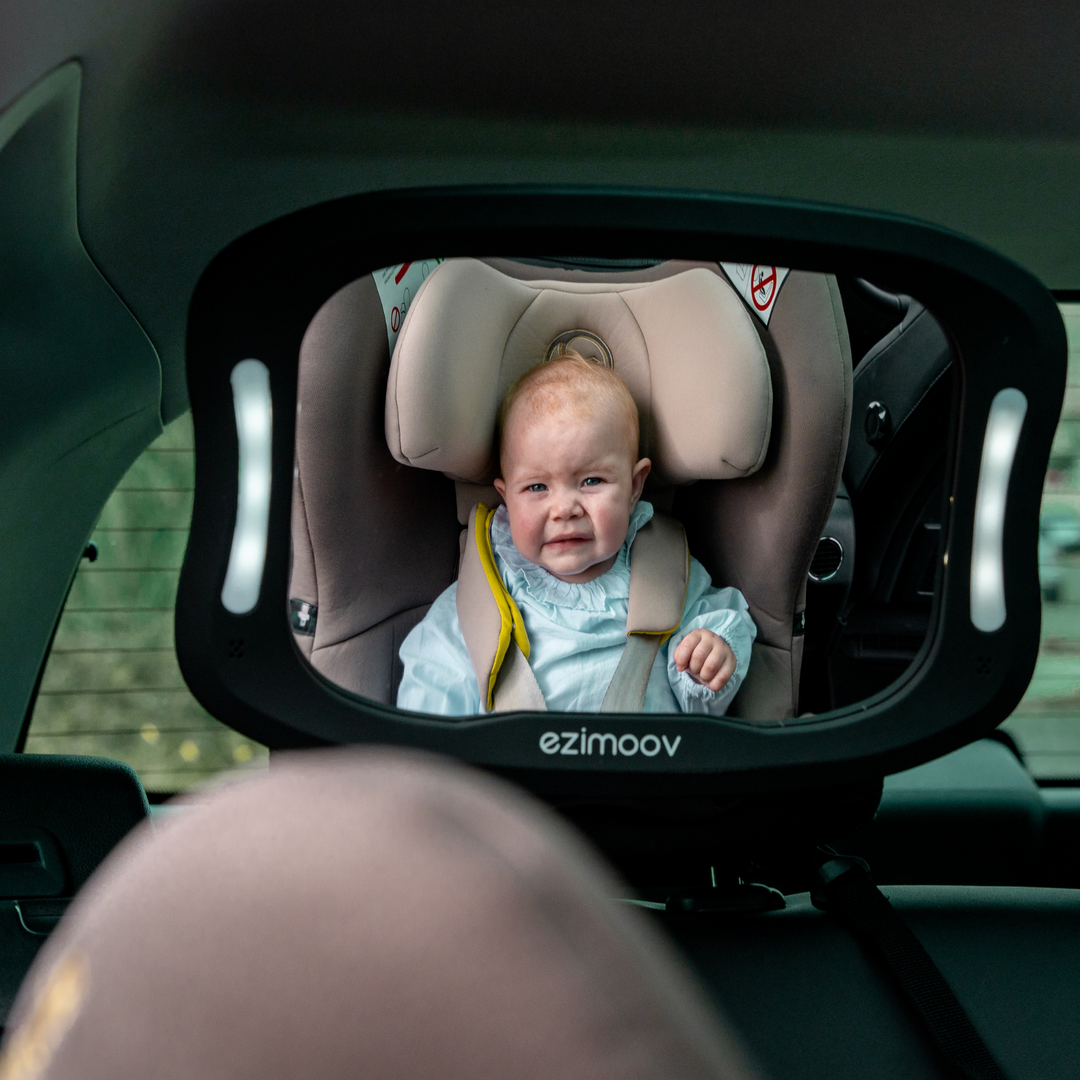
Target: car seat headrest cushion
[684, 345]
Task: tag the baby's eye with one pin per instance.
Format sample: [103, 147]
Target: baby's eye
[592, 481]
[537, 487]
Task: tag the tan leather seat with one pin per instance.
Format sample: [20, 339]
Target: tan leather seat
[746, 425]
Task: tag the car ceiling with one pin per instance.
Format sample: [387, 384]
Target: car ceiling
[200, 120]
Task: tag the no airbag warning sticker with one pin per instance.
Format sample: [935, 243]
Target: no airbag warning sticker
[758, 285]
[397, 286]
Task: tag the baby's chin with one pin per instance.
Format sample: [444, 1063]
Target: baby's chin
[578, 571]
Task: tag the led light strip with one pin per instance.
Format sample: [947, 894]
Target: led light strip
[1003, 426]
[251, 398]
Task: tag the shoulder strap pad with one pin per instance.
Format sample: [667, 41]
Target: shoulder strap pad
[488, 616]
[659, 577]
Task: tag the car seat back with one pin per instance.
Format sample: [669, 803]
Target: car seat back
[760, 534]
[374, 542]
[426, 921]
[710, 380]
[683, 343]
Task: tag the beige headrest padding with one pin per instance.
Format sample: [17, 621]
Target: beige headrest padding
[684, 345]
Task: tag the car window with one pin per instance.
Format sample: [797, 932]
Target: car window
[1046, 724]
[112, 686]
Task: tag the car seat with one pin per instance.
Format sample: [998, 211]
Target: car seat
[751, 473]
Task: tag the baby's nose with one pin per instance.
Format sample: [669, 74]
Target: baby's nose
[567, 504]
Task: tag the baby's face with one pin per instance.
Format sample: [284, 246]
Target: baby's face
[569, 485]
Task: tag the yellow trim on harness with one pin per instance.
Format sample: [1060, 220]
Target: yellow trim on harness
[513, 625]
[665, 634]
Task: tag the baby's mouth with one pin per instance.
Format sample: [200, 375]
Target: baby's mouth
[570, 540]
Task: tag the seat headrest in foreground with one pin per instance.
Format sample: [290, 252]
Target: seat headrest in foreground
[361, 914]
[684, 344]
[86, 804]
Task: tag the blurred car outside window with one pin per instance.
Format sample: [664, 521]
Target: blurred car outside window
[1046, 723]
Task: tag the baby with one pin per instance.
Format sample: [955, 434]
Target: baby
[571, 483]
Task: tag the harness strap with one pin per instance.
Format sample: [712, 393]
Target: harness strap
[490, 620]
[626, 691]
[516, 688]
[659, 578]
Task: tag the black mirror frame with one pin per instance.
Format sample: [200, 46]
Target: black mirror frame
[258, 296]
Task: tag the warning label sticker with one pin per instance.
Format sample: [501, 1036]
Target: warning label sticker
[758, 285]
[397, 286]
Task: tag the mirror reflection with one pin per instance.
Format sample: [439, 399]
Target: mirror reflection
[636, 486]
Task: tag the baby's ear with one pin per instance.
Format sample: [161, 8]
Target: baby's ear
[500, 487]
[641, 471]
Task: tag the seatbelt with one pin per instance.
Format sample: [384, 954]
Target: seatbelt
[852, 894]
[494, 630]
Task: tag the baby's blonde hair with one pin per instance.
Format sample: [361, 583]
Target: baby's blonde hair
[572, 383]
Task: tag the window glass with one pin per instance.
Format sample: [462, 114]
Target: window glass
[112, 686]
[1046, 724]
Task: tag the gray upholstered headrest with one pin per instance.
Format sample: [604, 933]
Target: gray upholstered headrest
[684, 344]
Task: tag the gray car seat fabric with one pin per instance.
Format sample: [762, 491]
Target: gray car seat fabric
[973, 817]
[872, 618]
[683, 344]
[759, 534]
[362, 914]
[374, 542]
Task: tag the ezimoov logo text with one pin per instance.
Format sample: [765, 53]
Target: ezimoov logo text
[598, 744]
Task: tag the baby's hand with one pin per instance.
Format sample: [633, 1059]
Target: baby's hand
[707, 657]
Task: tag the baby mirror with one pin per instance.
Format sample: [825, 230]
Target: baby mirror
[644, 510]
